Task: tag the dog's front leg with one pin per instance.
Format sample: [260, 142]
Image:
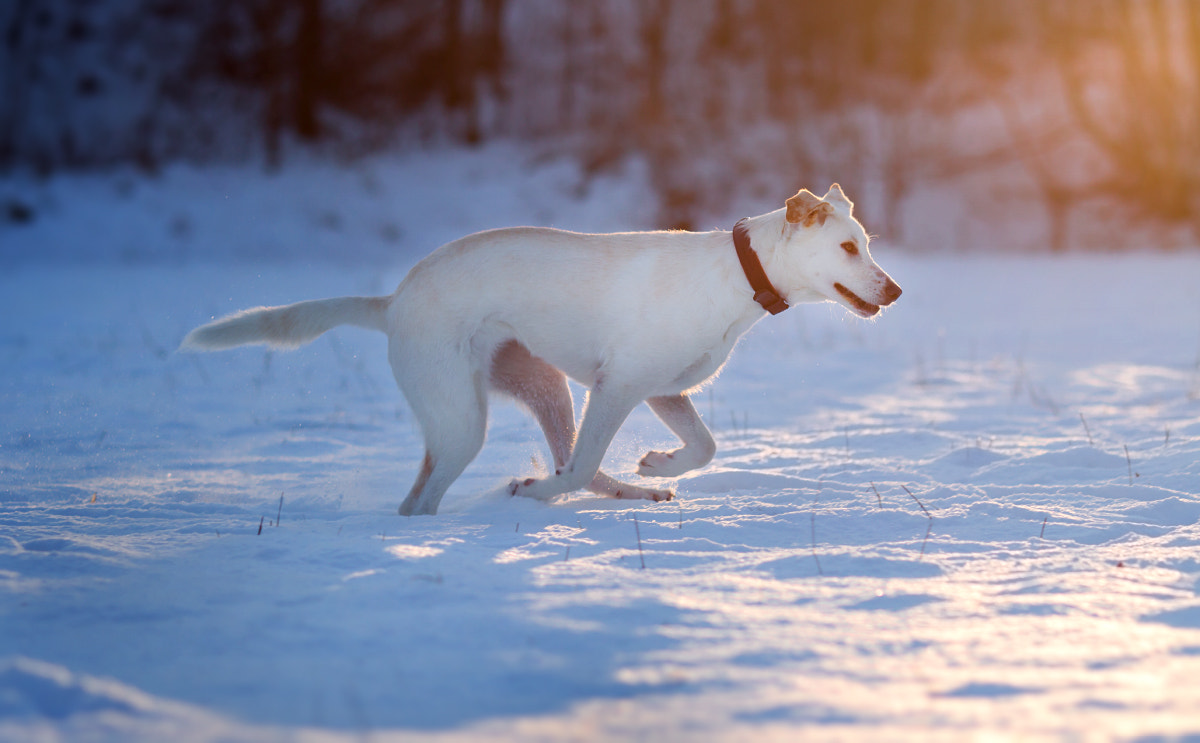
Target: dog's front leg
[607, 408]
[698, 447]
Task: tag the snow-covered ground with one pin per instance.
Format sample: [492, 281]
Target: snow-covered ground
[978, 516]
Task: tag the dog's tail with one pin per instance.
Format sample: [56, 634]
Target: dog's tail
[289, 326]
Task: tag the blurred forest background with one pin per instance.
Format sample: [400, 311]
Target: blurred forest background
[1028, 124]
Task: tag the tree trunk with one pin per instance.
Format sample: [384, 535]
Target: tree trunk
[308, 91]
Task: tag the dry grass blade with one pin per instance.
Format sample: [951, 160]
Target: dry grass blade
[928, 515]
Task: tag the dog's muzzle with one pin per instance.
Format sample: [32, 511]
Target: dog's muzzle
[891, 292]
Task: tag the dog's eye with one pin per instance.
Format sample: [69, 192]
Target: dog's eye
[850, 248]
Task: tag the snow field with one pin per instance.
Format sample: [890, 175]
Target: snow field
[976, 516]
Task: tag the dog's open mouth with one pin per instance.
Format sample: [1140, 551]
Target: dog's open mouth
[860, 305]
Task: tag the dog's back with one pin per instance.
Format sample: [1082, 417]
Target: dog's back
[572, 299]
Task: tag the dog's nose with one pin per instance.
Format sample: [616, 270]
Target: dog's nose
[892, 291]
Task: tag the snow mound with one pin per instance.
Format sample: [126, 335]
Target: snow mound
[31, 688]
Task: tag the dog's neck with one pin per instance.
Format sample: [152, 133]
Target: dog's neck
[764, 291]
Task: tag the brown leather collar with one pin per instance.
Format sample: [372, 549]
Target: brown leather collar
[764, 291]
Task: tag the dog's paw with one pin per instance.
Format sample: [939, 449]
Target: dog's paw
[655, 460]
[662, 464]
[543, 490]
[521, 487]
[660, 496]
[632, 493]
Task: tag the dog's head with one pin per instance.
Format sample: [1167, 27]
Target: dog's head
[825, 252]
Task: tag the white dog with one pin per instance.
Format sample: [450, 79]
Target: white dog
[632, 316]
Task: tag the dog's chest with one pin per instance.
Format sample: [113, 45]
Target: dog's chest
[696, 372]
[707, 361]
[701, 368]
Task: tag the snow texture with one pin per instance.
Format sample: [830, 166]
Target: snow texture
[978, 516]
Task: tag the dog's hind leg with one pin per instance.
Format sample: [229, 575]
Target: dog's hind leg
[451, 408]
[544, 390]
[698, 447]
[451, 441]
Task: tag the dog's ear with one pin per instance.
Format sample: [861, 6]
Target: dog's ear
[805, 208]
[835, 196]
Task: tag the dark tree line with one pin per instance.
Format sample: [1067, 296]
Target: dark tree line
[373, 60]
[168, 74]
[707, 91]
